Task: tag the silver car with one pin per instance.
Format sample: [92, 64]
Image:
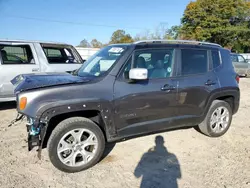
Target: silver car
[241, 65]
[23, 57]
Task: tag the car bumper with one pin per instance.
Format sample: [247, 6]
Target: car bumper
[34, 134]
[236, 104]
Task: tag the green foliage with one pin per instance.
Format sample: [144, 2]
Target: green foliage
[84, 43]
[96, 44]
[161, 32]
[172, 33]
[120, 36]
[221, 21]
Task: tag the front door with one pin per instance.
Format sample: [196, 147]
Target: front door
[149, 105]
[15, 59]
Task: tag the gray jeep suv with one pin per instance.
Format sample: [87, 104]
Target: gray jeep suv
[127, 90]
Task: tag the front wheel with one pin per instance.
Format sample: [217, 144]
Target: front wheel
[218, 119]
[76, 144]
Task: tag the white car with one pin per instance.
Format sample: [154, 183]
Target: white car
[24, 57]
[241, 65]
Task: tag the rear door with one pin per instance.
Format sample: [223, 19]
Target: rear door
[15, 59]
[195, 83]
[61, 58]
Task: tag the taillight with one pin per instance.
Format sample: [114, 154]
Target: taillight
[237, 78]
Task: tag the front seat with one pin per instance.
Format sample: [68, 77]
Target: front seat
[141, 63]
[4, 55]
[159, 71]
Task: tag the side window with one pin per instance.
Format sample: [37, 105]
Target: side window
[234, 58]
[20, 54]
[241, 59]
[216, 59]
[53, 52]
[68, 53]
[147, 57]
[159, 62]
[60, 55]
[193, 61]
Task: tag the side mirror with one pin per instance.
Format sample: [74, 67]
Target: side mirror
[138, 74]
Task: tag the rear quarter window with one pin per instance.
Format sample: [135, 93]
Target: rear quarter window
[216, 59]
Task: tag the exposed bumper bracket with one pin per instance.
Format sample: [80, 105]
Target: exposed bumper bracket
[19, 117]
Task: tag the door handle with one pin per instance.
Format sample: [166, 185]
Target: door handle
[168, 88]
[210, 83]
[35, 69]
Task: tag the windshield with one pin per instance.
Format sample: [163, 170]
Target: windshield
[102, 61]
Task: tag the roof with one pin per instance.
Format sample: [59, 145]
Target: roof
[120, 44]
[190, 42]
[31, 41]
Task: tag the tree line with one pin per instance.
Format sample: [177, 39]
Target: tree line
[120, 36]
[226, 22]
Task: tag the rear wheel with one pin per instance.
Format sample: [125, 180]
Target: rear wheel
[76, 144]
[218, 119]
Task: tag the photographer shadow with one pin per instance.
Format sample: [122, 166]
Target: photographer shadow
[158, 168]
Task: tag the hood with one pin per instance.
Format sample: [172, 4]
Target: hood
[25, 82]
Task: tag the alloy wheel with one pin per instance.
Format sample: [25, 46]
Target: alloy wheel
[219, 120]
[77, 147]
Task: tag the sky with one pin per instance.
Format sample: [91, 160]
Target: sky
[71, 21]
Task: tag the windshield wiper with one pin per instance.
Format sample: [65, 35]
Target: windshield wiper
[74, 72]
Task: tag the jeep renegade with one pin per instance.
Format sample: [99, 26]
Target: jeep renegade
[126, 90]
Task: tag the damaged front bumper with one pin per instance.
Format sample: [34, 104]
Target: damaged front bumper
[34, 129]
[34, 137]
[36, 132]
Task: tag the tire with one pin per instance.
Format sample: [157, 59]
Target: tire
[206, 128]
[74, 126]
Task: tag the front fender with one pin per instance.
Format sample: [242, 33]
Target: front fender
[50, 110]
[45, 113]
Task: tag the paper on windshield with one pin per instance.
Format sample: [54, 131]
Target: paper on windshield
[116, 50]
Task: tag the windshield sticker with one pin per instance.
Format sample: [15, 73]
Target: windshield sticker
[169, 69]
[116, 50]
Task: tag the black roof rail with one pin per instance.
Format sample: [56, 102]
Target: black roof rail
[177, 42]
